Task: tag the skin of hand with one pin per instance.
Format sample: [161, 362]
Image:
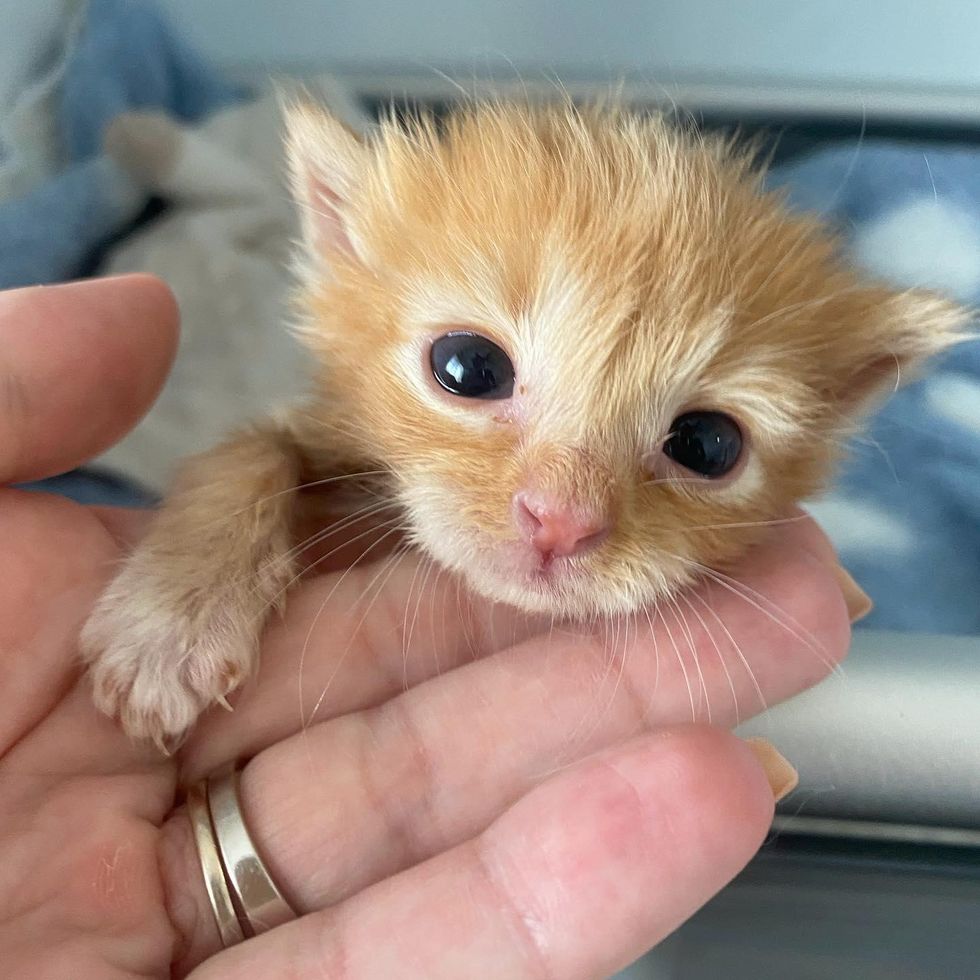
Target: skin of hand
[441, 789]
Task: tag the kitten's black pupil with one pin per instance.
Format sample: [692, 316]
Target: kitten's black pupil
[471, 366]
[709, 443]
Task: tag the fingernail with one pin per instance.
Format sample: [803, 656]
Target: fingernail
[858, 602]
[783, 778]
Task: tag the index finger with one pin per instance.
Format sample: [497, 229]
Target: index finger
[352, 642]
[79, 365]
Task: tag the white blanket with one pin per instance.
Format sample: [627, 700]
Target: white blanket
[224, 247]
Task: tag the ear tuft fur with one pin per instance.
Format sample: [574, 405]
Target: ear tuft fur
[326, 161]
[915, 326]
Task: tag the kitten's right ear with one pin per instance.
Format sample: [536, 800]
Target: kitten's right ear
[326, 160]
[892, 344]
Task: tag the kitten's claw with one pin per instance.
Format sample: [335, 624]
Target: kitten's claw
[157, 669]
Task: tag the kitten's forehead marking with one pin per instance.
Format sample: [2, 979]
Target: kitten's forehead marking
[432, 305]
[564, 337]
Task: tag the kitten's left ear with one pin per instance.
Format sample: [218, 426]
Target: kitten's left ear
[326, 162]
[909, 328]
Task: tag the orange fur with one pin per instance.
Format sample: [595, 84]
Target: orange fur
[632, 271]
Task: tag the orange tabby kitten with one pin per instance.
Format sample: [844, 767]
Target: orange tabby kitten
[569, 337]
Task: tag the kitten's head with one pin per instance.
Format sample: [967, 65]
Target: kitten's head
[594, 355]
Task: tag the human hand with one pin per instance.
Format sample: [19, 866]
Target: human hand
[438, 788]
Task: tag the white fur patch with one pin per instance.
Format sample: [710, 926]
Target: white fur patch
[957, 398]
[431, 304]
[771, 412]
[560, 338]
[744, 487]
[853, 525]
[926, 243]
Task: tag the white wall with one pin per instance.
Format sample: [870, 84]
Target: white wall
[863, 42]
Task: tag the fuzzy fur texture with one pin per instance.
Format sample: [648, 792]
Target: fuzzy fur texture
[632, 271]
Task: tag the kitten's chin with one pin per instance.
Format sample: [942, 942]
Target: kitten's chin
[568, 593]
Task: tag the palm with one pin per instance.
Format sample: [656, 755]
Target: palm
[67, 777]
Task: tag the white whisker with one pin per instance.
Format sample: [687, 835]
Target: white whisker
[689, 636]
[318, 539]
[721, 658]
[408, 625]
[737, 524]
[683, 666]
[384, 574]
[755, 599]
[316, 620]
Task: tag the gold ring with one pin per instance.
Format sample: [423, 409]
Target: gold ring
[259, 903]
[214, 874]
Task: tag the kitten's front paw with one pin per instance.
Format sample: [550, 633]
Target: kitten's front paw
[156, 668]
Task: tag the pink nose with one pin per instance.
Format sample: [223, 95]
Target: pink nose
[557, 529]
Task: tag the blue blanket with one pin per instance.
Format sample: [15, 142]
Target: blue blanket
[905, 513]
[123, 56]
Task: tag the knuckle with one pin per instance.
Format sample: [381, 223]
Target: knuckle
[15, 409]
[534, 955]
[408, 805]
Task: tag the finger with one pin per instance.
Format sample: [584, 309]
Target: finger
[79, 364]
[393, 786]
[55, 559]
[811, 537]
[576, 880]
[341, 649]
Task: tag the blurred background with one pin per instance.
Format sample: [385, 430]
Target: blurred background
[902, 44]
[145, 135]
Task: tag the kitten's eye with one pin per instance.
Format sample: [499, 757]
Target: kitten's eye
[709, 443]
[471, 366]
